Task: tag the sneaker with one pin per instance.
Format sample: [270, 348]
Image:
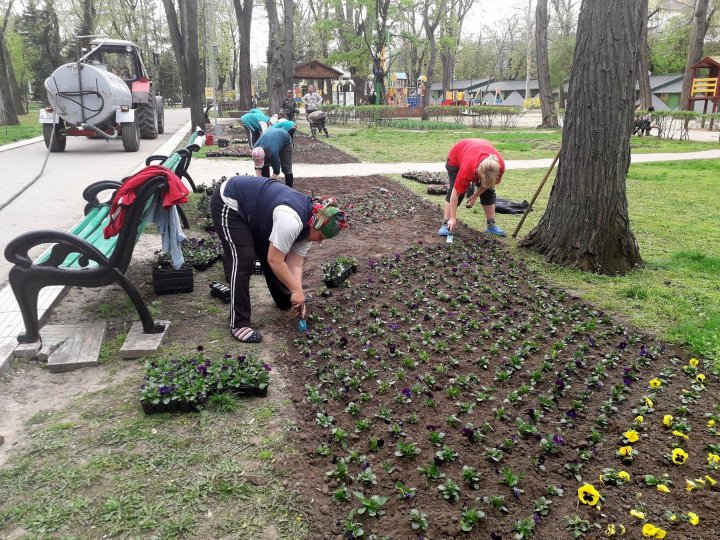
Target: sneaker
[494, 229]
[444, 231]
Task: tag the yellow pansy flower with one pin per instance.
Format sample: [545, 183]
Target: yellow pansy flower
[587, 494]
[679, 456]
[710, 480]
[637, 514]
[668, 420]
[680, 434]
[660, 533]
[693, 518]
[639, 419]
[693, 362]
[700, 378]
[663, 488]
[711, 423]
[610, 531]
[649, 530]
[713, 458]
[624, 475]
[655, 383]
[690, 486]
[631, 436]
[625, 450]
[649, 402]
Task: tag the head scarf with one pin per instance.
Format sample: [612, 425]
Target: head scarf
[328, 218]
[258, 156]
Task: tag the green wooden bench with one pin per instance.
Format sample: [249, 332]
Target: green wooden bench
[83, 256]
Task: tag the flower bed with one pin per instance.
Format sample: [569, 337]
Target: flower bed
[383, 205]
[451, 391]
[183, 383]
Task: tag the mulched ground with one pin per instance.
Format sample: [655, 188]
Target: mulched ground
[305, 150]
[540, 330]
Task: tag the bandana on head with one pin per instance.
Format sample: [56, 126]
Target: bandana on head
[258, 156]
[328, 218]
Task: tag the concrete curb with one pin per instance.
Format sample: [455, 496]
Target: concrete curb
[20, 144]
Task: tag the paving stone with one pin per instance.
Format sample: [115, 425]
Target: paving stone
[27, 350]
[138, 344]
[70, 347]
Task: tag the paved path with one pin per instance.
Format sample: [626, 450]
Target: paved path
[205, 170]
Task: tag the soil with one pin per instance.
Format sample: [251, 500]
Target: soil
[423, 320]
[305, 150]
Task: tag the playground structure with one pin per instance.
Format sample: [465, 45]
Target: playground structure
[706, 88]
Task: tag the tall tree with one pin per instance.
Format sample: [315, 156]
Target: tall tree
[586, 224]
[178, 43]
[183, 24]
[88, 17]
[547, 102]
[562, 54]
[6, 66]
[433, 12]
[279, 54]
[8, 114]
[644, 68]
[695, 51]
[451, 28]
[528, 53]
[349, 24]
[243, 13]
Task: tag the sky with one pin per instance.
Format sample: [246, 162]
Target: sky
[484, 12]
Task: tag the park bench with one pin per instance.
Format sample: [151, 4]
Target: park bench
[84, 257]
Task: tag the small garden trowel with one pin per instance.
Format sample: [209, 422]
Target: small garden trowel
[302, 323]
[449, 239]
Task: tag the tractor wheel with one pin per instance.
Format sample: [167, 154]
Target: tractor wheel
[130, 136]
[147, 120]
[56, 140]
[160, 110]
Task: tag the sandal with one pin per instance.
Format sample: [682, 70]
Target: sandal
[246, 335]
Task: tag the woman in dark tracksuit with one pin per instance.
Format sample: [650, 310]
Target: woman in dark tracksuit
[259, 217]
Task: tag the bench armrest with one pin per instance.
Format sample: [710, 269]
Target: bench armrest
[17, 249]
[159, 158]
[90, 193]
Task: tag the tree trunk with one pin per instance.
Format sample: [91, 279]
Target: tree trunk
[643, 76]
[243, 14]
[8, 114]
[178, 44]
[695, 50]
[447, 62]
[430, 27]
[528, 51]
[189, 27]
[547, 103]
[275, 64]
[288, 60]
[586, 224]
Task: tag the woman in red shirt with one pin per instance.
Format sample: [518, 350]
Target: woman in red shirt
[472, 161]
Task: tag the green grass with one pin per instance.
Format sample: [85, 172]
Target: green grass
[674, 213]
[387, 145]
[101, 467]
[28, 128]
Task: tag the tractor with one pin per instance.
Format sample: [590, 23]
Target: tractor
[106, 94]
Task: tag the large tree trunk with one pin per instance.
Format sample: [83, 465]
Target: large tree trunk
[178, 44]
[243, 14]
[189, 27]
[8, 114]
[547, 103]
[586, 224]
[695, 50]
[288, 60]
[275, 65]
[430, 25]
[643, 76]
[528, 50]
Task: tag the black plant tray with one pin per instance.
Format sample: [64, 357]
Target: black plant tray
[171, 281]
[337, 280]
[193, 406]
[172, 407]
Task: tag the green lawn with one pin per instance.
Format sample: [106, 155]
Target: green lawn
[387, 145]
[674, 212]
[28, 128]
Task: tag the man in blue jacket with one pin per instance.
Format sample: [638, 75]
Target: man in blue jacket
[274, 149]
[260, 217]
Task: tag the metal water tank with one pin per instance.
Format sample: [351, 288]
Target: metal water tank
[102, 93]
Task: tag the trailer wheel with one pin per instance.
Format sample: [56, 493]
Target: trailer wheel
[54, 141]
[130, 136]
[160, 109]
[146, 119]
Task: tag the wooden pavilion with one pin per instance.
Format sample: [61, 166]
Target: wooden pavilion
[317, 73]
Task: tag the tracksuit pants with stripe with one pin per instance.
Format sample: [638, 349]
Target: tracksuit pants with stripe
[239, 252]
